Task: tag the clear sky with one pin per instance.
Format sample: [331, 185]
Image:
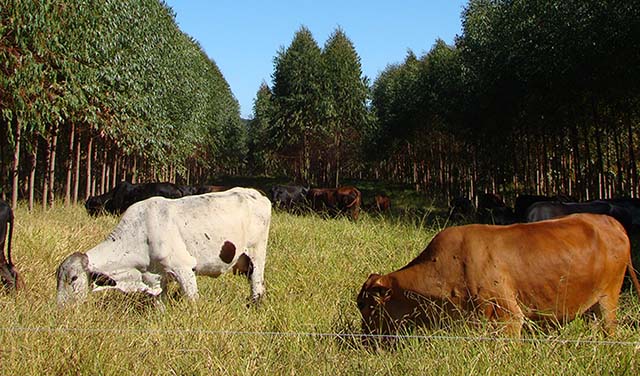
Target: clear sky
[243, 36]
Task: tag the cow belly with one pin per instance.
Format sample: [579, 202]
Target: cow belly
[568, 294]
[213, 269]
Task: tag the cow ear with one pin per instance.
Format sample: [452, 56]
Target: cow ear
[101, 279]
[381, 289]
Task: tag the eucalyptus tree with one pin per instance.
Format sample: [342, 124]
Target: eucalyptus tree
[109, 82]
[299, 105]
[261, 160]
[555, 77]
[346, 113]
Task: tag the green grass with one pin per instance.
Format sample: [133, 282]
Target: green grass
[315, 268]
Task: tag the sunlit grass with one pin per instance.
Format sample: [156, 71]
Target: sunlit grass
[315, 268]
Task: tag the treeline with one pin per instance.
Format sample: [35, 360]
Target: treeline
[97, 91]
[535, 96]
[309, 123]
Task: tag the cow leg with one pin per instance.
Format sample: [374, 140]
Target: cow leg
[256, 269]
[508, 312]
[256, 278]
[606, 310]
[186, 278]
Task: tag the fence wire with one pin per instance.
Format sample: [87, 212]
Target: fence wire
[344, 336]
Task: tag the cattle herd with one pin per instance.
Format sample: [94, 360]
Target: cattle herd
[548, 259]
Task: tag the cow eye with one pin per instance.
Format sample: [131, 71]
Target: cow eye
[74, 278]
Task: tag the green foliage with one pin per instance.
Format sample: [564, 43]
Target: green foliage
[534, 96]
[318, 108]
[260, 145]
[122, 72]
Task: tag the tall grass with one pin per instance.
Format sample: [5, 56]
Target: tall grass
[315, 268]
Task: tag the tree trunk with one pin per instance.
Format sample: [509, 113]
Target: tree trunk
[52, 165]
[76, 178]
[632, 162]
[69, 166]
[32, 172]
[69, 163]
[134, 171]
[15, 166]
[87, 192]
[45, 183]
[103, 177]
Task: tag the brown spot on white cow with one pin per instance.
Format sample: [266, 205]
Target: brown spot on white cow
[227, 252]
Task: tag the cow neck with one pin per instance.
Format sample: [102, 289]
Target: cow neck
[426, 276]
[108, 255]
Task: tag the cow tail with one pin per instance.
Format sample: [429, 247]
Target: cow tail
[634, 277]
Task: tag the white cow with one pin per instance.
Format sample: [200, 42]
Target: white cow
[181, 238]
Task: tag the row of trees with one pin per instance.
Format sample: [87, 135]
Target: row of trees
[95, 91]
[535, 96]
[309, 124]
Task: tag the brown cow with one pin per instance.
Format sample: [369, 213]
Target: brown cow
[336, 200]
[545, 271]
[382, 202]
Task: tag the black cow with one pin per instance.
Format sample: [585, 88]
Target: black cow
[202, 189]
[125, 194]
[461, 208]
[8, 274]
[523, 202]
[631, 204]
[553, 209]
[492, 210]
[288, 197]
[188, 190]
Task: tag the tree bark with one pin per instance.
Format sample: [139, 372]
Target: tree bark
[45, 183]
[87, 192]
[32, 171]
[15, 166]
[52, 165]
[632, 160]
[76, 178]
[69, 164]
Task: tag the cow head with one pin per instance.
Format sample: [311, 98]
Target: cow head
[75, 279]
[384, 307]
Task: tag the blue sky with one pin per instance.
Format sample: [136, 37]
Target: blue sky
[243, 36]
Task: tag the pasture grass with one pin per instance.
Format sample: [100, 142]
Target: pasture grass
[315, 268]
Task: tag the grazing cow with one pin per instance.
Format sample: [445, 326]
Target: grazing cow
[188, 190]
[543, 210]
[382, 202]
[545, 271]
[125, 194]
[633, 206]
[461, 208]
[336, 200]
[492, 210]
[158, 239]
[288, 197]
[8, 274]
[523, 202]
[202, 189]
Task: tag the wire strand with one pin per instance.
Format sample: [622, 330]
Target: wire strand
[322, 335]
